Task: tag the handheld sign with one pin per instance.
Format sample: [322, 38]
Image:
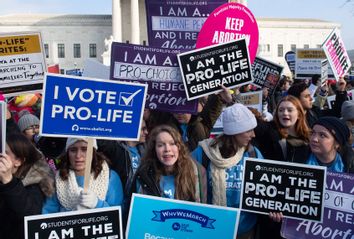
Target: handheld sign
[2, 126]
[296, 190]
[290, 60]
[308, 63]
[93, 224]
[22, 63]
[176, 24]
[252, 99]
[205, 70]
[156, 67]
[154, 217]
[324, 71]
[266, 74]
[261, 68]
[336, 54]
[83, 107]
[338, 212]
[229, 22]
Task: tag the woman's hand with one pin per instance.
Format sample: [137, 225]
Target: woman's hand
[6, 167]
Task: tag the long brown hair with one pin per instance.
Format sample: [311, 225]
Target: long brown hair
[185, 179]
[227, 143]
[301, 127]
[96, 166]
[25, 151]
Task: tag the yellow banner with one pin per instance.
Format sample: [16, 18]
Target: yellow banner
[311, 54]
[18, 45]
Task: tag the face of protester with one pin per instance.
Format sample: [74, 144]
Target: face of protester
[77, 157]
[243, 139]
[287, 114]
[306, 99]
[143, 132]
[167, 150]
[322, 142]
[31, 131]
[16, 161]
[183, 118]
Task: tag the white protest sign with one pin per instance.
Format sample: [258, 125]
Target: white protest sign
[22, 63]
[336, 54]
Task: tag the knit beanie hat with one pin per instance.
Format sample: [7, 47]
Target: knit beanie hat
[238, 119]
[348, 110]
[71, 141]
[27, 120]
[337, 127]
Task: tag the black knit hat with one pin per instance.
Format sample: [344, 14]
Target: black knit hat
[339, 130]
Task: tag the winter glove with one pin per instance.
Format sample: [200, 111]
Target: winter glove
[87, 200]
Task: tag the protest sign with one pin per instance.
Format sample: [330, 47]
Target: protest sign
[95, 69]
[2, 126]
[156, 67]
[266, 74]
[93, 223]
[296, 190]
[155, 217]
[336, 54]
[338, 214]
[205, 70]
[324, 71]
[229, 22]
[78, 106]
[22, 63]
[252, 99]
[290, 60]
[176, 24]
[308, 63]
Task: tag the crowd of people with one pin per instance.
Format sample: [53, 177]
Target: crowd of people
[176, 156]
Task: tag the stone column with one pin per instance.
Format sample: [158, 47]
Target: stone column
[135, 28]
[117, 20]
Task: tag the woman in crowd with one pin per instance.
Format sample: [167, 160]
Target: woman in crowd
[105, 187]
[284, 139]
[29, 125]
[329, 145]
[167, 170]
[287, 137]
[25, 181]
[224, 156]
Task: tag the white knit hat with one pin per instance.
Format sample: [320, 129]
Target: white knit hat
[71, 141]
[238, 119]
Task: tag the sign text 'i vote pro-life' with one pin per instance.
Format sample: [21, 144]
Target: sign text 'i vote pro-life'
[75, 106]
[205, 70]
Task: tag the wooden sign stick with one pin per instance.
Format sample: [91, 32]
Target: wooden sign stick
[88, 163]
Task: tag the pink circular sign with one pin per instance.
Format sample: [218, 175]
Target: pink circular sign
[231, 21]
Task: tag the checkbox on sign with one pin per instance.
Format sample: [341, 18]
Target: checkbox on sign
[127, 98]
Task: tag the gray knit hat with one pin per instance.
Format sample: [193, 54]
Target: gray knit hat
[27, 120]
[348, 110]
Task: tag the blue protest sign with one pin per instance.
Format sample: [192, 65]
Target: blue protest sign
[77, 106]
[154, 217]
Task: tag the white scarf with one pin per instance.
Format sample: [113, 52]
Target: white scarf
[217, 169]
[68, 191]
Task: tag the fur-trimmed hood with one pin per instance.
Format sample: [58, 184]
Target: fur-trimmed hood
[41, 174]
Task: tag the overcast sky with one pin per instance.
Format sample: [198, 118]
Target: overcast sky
[340, 11]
